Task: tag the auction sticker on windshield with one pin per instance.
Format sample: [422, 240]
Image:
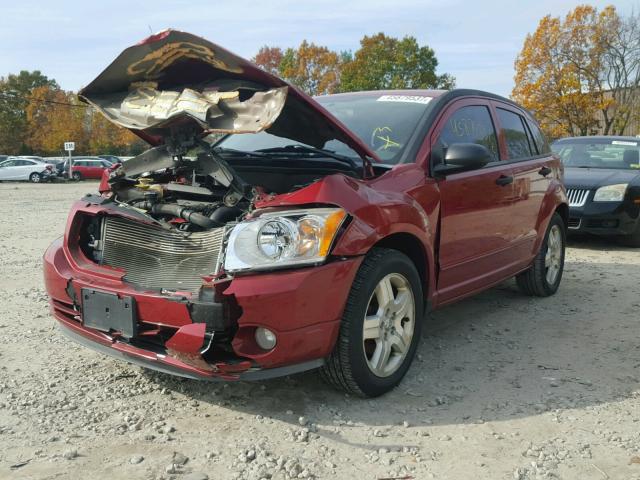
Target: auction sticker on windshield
[622, 142]
[404, 98]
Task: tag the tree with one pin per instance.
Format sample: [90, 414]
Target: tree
[54, 117]
[269, 59]
[313, 68]
[384, 62]
[622, 74]
[576, 74]
[105, 137]
[14, 93]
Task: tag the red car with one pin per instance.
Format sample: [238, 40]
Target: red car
[266, 232]
[87, 168]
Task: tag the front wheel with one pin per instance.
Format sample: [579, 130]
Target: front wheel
[380, 327]
[35, 178]
[76, 176]
[542, 279]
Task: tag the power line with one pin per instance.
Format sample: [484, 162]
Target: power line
[54, 102]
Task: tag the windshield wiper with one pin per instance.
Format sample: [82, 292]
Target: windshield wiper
[307, 150]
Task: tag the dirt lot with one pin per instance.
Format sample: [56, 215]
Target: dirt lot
[504, 387]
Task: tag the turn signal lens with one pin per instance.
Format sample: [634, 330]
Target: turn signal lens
[331, 225]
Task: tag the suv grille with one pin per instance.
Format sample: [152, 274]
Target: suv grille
[155, 258]
[577, 197]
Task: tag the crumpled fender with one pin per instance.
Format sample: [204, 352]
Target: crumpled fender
[390, 204]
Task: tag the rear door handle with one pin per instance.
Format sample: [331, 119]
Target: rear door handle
[544, 171]
[504, 180]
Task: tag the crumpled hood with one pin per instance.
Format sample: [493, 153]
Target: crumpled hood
[175, 82]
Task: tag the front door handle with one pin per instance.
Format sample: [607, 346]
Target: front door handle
[504, 180]
[544, 171]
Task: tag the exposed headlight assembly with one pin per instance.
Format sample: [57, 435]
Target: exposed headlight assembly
[283, 239]
[611, 193]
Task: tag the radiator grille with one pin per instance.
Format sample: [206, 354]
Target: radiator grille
[577, 197]
[155, 258]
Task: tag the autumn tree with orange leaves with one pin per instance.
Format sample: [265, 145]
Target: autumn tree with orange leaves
[269, 59]
[313, 68]
[55, 116]
[580, 75]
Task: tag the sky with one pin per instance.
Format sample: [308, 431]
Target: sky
[72, 41]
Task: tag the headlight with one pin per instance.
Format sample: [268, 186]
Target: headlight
[611, 193]
[279, 239]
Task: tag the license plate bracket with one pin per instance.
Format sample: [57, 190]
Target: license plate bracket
[109, 312]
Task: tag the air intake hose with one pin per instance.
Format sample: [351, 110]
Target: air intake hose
[186, 213]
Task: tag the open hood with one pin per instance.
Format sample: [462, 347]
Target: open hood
[175, 83]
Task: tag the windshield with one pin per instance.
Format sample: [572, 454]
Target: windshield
[599, 153]
[383, 122]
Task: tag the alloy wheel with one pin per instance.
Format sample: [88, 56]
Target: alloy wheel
[553, 258]
[389, 325]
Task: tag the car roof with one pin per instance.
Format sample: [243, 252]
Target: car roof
[441, 97]
[587, 139]
[456, 92]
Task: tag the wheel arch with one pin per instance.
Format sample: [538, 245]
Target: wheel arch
[412, 247]
[563, 211]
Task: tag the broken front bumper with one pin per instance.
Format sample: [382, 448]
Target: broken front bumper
[303, 307]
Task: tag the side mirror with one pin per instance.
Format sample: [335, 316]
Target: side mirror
[461, 157]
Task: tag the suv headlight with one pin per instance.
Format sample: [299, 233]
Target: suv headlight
[285, 238]
[611, 193]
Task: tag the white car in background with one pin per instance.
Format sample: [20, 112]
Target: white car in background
[20, 168]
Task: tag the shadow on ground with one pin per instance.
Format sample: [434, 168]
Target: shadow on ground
[499, 355]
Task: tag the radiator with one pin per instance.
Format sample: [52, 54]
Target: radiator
[156, 258]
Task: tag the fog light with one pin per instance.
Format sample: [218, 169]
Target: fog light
[265, 338]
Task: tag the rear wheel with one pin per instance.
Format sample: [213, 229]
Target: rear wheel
[380, 327]
[543, 277]
[35, 178]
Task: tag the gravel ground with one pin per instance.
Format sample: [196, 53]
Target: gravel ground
[503, 387]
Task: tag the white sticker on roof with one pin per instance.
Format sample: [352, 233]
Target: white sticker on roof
[405, 98]
[623, 142]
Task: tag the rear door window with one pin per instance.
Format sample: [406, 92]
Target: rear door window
[469, 124]
[515, 135]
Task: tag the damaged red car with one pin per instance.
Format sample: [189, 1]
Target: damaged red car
[266, 233]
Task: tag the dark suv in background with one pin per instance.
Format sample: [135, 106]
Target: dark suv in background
[602, 176]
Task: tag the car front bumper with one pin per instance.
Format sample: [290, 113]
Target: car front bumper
[604, 218]
[302, 307]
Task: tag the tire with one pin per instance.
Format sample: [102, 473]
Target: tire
[352, 364]
[633, 239]
[538, 280]
[35, 178]
[76, 176]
